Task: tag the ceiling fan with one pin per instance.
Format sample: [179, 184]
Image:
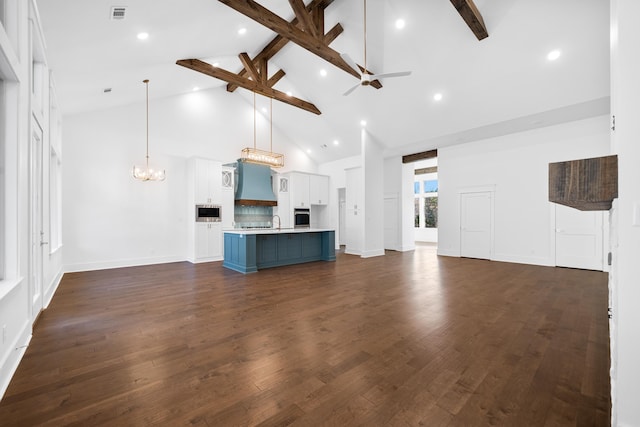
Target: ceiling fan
[367, 78]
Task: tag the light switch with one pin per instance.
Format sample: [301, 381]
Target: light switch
[636, 214]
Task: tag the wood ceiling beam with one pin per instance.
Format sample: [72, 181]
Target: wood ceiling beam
[278, 42]
[275, 78]
[249, 66]
[275, 23]
[420, 156]
[252, 85]
[471, 15]
[303, 17]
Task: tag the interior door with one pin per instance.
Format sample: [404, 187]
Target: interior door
[36, 219]
[579, 238]
[476, 225]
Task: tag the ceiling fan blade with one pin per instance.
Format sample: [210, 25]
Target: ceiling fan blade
[350, 62]
[351, 90]
[387, 75]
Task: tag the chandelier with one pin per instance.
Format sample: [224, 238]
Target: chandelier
[261, 157]
[146, 172]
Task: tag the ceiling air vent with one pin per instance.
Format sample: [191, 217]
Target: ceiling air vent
[118, 12]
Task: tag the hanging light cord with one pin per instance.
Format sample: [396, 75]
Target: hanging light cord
[146, 82]
[365, 36]
[254, 120]
[271, 127]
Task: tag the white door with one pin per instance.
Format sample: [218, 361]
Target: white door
[391, 227]
[579, 238]
[36, 229]
[476, 224]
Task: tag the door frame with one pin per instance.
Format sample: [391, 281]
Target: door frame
[36, 219]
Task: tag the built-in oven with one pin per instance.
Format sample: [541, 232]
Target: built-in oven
[301, 218]
[208, 213]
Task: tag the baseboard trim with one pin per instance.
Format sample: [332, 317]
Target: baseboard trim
[371, 254]
[53, 287]
[105, 265]
[10, 363]
[530, 260]
[448, 252]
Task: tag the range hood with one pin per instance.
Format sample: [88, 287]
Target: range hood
[254, 186]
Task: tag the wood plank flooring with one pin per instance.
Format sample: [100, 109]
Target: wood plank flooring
[406, 339]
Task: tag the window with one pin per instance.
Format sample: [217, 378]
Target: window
[431, 212]
[425, 202]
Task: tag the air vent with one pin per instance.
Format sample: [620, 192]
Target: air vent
[118, 12]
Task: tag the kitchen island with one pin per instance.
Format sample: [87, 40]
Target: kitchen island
[249, 250]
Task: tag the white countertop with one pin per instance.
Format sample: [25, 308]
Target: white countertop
[246, 231]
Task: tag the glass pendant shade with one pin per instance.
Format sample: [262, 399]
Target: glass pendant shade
[147, 172]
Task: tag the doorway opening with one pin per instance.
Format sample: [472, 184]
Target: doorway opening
[425, 191]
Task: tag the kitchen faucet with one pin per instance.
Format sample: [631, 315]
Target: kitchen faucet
[279, 221]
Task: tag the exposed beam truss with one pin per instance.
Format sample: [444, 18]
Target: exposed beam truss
[257, 85]
[305, 34]
[316, 10]
[471, 15]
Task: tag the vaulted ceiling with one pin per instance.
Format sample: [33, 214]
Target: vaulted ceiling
[501, 84]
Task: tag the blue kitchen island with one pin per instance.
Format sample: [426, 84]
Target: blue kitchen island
[248, 251]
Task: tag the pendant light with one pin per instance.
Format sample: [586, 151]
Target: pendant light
[146, 172]
[261, 157]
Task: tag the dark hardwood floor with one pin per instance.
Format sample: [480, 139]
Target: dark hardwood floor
[405, 339]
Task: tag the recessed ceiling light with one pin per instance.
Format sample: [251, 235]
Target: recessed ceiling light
[264, 110]
[323, 72]
[196, 88]
[242, 31]
[143, 36]
[289, 93]
[363, 123]
[400, 23]
[308, 151]
[437, 97]
[336, 142]
[553, 55]
[216, 64]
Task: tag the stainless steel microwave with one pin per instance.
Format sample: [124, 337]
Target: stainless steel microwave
[301, 218]
[208, 213]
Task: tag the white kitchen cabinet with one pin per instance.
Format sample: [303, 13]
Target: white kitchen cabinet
[354, 212]
[208, 241]
[318, 189]
[208, 181]
[299, 190]
[283, 210]
[227, 198]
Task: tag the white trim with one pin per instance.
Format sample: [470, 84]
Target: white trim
[51, 289]
[10, 363]
[407, 248]
[519, 259]
[371, 254]
[104, 265]
[448, 252]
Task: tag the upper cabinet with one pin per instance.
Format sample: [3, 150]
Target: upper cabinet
[299, 186]
[208, 181]
[318, 189]
[308, 189]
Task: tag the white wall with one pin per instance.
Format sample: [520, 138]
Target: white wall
[373, 175]
[625, 273]
[110, 219]
[337, 180]
[517, 165]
